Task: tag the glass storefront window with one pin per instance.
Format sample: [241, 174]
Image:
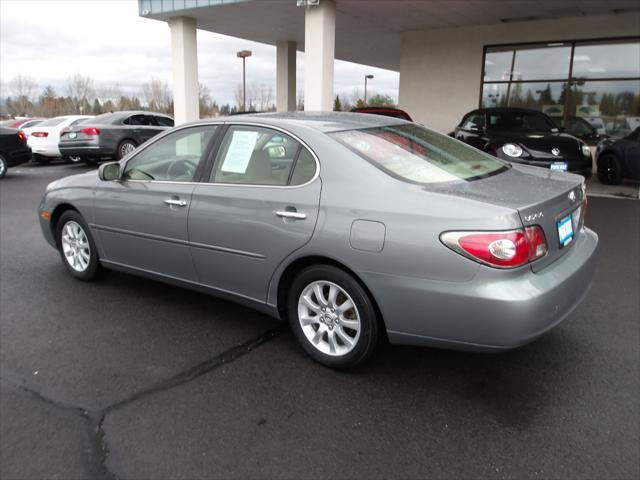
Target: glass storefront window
[497, 65]
[612, 106]
[542, 63]
[609, 60]
[546, 97]
[494, 95]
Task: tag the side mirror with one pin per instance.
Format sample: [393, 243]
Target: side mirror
[109, 172]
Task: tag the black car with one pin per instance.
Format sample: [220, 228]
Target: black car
[13, 149]
[579, 128]
[618, 159]
[521, 135]
[110, 135]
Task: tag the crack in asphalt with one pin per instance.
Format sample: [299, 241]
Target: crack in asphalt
[99, 449]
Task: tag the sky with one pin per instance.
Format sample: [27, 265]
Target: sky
[51, 40]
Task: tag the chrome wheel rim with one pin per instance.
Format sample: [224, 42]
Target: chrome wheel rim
[127, 148]
[329, 318]
[3, 166]
[75, 246]
[75, 159]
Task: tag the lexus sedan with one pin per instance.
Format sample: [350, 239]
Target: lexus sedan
[619, 159]
[525, 136]
[351, 227]
[13, 149]
[111, 135]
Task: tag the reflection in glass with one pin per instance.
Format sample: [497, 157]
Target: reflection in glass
[607, 60]
[542, 63]
[614, 105]
[547, 97]
[497, 65]
[494, 95]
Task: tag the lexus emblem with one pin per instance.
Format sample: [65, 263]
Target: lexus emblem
[572, 196]
[555, 151]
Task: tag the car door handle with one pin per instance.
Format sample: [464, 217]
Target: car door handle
[175, 203]
[289, 214]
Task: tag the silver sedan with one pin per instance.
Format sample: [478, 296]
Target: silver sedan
[351, 227]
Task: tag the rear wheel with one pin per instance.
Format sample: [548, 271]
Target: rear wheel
[77, 248]
[125, 148]
[332, 316]
[609, 169]
[3, 166]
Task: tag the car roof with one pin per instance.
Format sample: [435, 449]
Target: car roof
[322, 121]
[498, 110]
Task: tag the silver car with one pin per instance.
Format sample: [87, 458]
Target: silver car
[352, 227]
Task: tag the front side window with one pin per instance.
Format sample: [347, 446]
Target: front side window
[419, 155]
[172, 158]
[261, 156]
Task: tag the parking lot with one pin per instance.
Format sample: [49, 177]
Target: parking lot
[130, 378]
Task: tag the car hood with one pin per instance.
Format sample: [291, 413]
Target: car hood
[540, 144]
[81, 180]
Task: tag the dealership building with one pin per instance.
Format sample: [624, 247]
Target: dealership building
[568, 58]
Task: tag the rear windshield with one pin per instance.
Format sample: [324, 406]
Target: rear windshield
[106, 118]
[415, 154]
[52, 122]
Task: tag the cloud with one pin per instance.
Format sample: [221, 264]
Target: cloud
[109, 42]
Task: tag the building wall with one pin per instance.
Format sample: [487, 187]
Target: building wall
[440, 69]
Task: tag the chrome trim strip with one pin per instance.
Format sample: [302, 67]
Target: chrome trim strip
[252, 124]
[232, 251]
[177, 241]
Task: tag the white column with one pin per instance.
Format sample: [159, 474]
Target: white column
[184, 53]
[285, 76]
[319, 52]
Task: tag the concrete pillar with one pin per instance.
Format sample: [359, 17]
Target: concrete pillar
[285, 76]
[319, 52]
[184, 53]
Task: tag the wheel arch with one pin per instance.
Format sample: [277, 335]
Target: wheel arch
[55, 217]
[299, 264]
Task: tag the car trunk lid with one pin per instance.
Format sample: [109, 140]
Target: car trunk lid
[541, 197]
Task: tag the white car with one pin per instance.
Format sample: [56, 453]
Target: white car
[44, 137]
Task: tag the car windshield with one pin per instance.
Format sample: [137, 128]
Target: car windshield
[520, 122]
[418, 155]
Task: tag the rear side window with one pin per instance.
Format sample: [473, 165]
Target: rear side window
[164, 121]
[418, 155]
[260, 156]
[139, 120]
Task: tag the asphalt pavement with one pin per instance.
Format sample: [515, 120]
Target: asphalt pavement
[131, 378]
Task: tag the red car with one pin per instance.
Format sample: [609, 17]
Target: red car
[386, 111]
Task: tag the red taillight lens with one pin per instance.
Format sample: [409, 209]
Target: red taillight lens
[508, 249]
[90, 131]
[22, 136]
[40, 134]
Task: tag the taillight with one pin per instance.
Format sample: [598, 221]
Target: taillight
[22, 136]
[508, 249]
[90, 131]
[40, 134]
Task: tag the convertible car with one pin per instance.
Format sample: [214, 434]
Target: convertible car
[349, 226]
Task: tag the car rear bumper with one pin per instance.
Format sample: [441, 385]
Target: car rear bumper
[497, 310]
[82, 151]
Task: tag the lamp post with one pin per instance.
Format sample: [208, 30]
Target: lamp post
[366, 77]
[243, 54]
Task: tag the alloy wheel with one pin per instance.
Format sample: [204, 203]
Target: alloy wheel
[75, 246]
[329, 318]
[126, 148]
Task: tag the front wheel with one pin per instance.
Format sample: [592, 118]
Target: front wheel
[609, 169]
[3, 166]
[77, 248]
[332, 316]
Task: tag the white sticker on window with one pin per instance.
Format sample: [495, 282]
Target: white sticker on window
[239, 152]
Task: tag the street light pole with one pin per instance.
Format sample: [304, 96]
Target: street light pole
[243, 54]
[366, 77]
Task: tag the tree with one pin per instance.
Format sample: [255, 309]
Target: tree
[379, 100]
[157, 95]
[337, 106]
[80, 89]
[48, 104]
[97, 108]
[23, 89]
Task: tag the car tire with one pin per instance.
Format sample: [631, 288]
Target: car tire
[42, 160]
[609, 169]
[76, 246]
[332, 316]
[125, 147]
[4, 166]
